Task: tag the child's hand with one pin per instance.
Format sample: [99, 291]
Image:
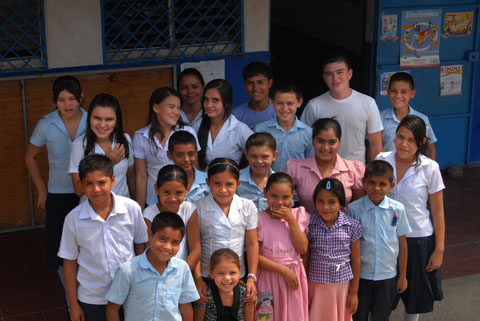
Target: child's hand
[402, 284]
[435, 261]
[116, 154]
[41, 199]
[76, 312]
[251, 292]
[290, 278]
[202, 291]
[352, 302]
[282, 212]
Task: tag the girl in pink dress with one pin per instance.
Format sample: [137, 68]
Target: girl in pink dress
[282, 280]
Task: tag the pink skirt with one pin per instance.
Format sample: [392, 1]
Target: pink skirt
[328, 301]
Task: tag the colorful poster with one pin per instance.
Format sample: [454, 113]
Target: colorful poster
[385, 80]
[456, 24]
[451, 80]
[389, 27]
[420, 44]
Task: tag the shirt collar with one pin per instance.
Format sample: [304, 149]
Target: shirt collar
[296, 124]
[54, 118]
[342, 220]
[87, 211]
[247, 178]
[146, 265]
[340, 165]
[199, 178]
[368, 204]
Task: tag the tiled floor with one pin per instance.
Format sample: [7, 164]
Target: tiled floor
[30, 291]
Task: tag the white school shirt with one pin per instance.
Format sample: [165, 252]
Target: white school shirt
[219, 231]
[197, 121]
[155, 158]
[100, 246]
[413, 192]
[230, 141]
[120, 169]
[185, 211]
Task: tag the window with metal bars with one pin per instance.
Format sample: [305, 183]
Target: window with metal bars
[22, 36]
[143, 30]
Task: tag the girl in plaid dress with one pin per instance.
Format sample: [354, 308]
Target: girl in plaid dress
[334, 255]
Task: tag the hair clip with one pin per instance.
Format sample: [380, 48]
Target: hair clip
[328, 185]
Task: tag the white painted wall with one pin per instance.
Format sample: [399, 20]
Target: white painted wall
[73, 33]
[257, 25]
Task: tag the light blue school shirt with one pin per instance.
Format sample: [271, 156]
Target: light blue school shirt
[147, 295]
[249, 190]
[296, 144]
[379, 243]
[51, 131]
[246, 115]
[390, 124]
[199, 188]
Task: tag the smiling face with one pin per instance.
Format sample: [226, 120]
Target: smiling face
[258, 88]
[278, 195]
[328, 206]
[213, 104]
[286, 105]
[165, 245]
[103, 121]
[97, 188]
[190, 88]
[226, 275]
[168, 111]
[67, 104]
[326, 145]
[377, 187]
[337, 77]
[400, 93]
[184, 155]
[223, 186]
[260, 159]
[405, 144]
[171, 194]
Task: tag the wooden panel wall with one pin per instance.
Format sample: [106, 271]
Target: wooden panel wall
[131, 88]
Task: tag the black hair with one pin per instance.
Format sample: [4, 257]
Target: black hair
[402, 76]
[190, 72]
[322, 124]
[261, 139]
[172, 173]
[168, 219]
[332, 185]
[257, 68]
[226, 94]
[223, 254]
[284, 87]
[70, 84]
[220, 165]
[117, 135]
[158, 96]
[95, 162]
[379, 168]
[280, 178]
[181, 137]
[419, 130]
[337, 57]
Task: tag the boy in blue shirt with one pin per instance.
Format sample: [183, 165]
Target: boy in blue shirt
[385, 226]
[400, 90]
[98, 235]
[258, 79]
[260, 152]
[155, 285]
[294, 138]
[182, 150]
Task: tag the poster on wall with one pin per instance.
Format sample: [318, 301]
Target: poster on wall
[385, 80]
[420, 44]
[210, 69]
[458, 24]
[451, 80]
[389, 27]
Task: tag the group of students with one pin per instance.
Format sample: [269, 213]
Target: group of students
[279, 227]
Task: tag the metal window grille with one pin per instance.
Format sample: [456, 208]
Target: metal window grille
[22, 36]
[144, 30]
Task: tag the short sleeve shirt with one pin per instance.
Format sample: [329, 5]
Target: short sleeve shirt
[246, 115]
[51, 131]
[296, 144]
[249, 189]
[219, 231]
[147, 295]
[382, 225]
[100, 246]
[329, 249]
[199, 188]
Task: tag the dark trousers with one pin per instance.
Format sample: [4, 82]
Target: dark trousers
[97, 312]
[376, 297]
